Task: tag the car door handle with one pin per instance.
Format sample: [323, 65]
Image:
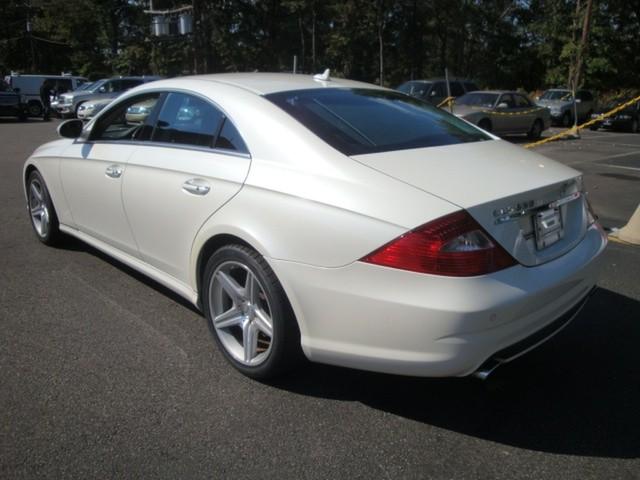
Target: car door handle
[196, 186]
[113, 171]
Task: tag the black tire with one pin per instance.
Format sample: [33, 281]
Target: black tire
[566, 120]
[76, 110]
[283, 351]
[485, 124]
[49, 235]
[536, 130]
[35, 109]
[634, 126]
[594, 127]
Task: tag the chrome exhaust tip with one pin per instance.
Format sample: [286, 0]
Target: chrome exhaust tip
[486, 369]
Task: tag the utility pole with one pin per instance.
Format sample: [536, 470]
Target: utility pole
[582, 47]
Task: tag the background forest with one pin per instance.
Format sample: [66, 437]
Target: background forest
[525, 44]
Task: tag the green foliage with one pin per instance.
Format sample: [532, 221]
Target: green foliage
[525, 44]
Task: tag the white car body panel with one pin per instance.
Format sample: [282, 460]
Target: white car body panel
[313, 212]
[163, 216]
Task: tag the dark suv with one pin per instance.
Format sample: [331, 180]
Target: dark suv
[434, 90]
[11, 103]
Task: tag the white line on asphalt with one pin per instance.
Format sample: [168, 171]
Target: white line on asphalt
[613, 144]
[617, 155]
[623, 168]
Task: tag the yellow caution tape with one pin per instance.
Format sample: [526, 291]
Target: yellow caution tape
[584, 125]
[526, 112]
[446, 101]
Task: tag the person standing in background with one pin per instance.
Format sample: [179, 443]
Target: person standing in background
[45, 98]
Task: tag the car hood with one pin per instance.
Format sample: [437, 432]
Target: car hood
[485, 177]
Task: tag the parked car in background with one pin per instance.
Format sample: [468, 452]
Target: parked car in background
[12, 103]
[106, 88]
[434, 91]
[90, 108]
[503, 112]
[559, 101]
[627, 119]
[29, 86]
[337, 220]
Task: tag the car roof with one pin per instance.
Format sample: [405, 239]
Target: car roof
[266, 83]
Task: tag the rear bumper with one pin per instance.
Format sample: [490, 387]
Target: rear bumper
[374, 318]
[525, 345]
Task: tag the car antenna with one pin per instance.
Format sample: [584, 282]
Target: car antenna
[323, 77]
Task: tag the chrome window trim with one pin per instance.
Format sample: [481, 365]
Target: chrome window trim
[181, 146]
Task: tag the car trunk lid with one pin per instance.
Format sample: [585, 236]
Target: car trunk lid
[504, 187]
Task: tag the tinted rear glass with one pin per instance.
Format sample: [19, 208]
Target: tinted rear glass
[360, 121]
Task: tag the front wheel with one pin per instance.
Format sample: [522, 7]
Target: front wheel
[634, 126]
[249, 314]
[566, 120]
[41, 211]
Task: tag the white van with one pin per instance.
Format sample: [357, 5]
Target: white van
[29, 86]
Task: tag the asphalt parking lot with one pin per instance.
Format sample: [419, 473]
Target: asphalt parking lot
[107, 374]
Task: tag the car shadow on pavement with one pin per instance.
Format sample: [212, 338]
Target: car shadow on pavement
[578, 394]
[73, 244]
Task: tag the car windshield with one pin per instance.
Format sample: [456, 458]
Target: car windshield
[479, 99]
[85, 86]
[556, 95]
[415, 88]
[96, 85]
[361, 121]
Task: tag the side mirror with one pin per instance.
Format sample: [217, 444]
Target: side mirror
[70, 128]
[503, 105]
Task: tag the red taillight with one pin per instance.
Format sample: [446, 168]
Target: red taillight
[454, 245]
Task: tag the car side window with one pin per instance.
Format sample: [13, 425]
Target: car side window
[456, 89]
[439, 90]
[521, 102]
[508, 99]
[127, 120]
[130, 83]
[187, 120]
[229, 138]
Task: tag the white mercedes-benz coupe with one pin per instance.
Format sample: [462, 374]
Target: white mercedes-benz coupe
[338, 220]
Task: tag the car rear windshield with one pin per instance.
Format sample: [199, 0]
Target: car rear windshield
[361, 121]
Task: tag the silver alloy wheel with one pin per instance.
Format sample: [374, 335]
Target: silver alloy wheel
[38, 208]
[241, 314]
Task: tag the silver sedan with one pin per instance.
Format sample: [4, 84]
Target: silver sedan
[503, 113]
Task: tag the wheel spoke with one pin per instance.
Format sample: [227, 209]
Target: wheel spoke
[231, 287]
[249, 340]
[252, 288]
[230, 318]
[37, 211]
[263, 322]
[37, 194]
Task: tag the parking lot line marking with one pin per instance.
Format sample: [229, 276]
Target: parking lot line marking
[617, 155]
[616, 144]
[623, 168]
